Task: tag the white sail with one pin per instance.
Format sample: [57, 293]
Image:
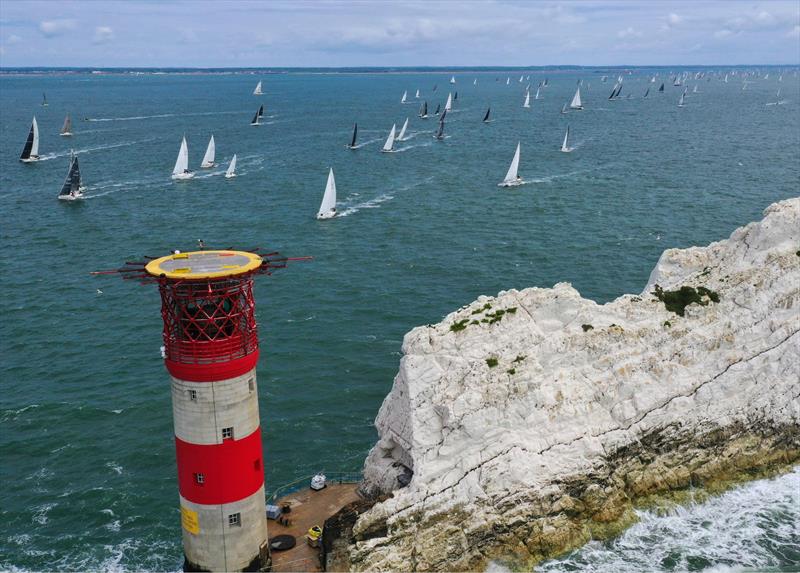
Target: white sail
[565, 146]
[520, 79]
[537, 94]
[405, 95]
[449, 105]
[35, 146]
[527, 100]
[389, 145]
[181, 170]
[452, 79]
[475, 82]
[508, 81]
[402, 136]
[258, 91]
[327, 208]
[231, 172]
[208, 158]
[680, 102]
[576, 100]
[564, 109]
[66, 129]
[511, 177]
[417, 94]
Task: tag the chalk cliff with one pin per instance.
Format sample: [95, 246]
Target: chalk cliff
[524, 424]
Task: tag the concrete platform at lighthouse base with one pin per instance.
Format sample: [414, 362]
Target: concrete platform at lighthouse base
[309, 508]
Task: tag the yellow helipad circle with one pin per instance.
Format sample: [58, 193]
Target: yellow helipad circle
[204, 264]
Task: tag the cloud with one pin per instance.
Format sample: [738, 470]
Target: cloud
[13, 39]
[673, 19]
[794, 32]
[51, 28]
[722, 34]
[102, 35]
[629, 32]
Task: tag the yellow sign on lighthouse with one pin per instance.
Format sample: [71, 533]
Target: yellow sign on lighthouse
[189, 520]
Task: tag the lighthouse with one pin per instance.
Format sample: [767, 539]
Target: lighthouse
[210, 349]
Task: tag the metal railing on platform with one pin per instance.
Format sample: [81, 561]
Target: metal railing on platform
[305, 481]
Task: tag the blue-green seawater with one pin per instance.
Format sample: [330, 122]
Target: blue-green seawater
[88, 471]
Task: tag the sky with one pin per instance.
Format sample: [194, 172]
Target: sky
[344, 33]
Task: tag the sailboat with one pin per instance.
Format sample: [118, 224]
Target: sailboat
[231, 171]
[565, 146]
[402, 136]
[508, 81]
[680, 101]
[647, 91]
[576, 100]
[257, 116]
[527, 100]
[355, 134]
[449, 104]
[66, 129]
[417, 95]
[455, 96]
[181, 170]
[564, 109]
[661, 88]
[452, 79]
[537, 93]
[327, 209]
[30, 152]
[486, 117]
[694, 91]
[260, 111]
[440, 132]
[403, 99]
[208, 158]
[257, 91]
[475, 82]
[520, 79]
[423, 110]
[438, 106]
[44, 100]
[512, 178]
[72, 190]
[388, 147]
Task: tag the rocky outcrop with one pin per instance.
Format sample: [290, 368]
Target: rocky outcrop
[526, 423]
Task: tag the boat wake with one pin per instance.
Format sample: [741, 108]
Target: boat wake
[368, 142]
[161, 115]
[371, 204]
[407, 147]
[66, 153]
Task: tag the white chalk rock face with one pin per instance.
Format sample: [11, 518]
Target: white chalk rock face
[523, 424]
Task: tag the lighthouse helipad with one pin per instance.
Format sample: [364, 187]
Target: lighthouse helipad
[204, 264]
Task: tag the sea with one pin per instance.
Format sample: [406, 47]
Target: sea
[87, 457]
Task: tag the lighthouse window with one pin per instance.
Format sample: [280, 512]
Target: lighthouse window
[251, 384]
[227, 433]
[235, 519]
[193, 395]
[199, 479]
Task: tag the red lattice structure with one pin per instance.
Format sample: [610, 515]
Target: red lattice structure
[208, 309]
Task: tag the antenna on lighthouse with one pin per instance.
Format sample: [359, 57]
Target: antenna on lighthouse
[210, 349]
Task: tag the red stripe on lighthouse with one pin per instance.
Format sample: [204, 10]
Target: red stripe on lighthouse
[231, 471]
[212, 371]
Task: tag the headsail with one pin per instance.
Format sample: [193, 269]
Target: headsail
[512, 176]
[440, 131]
[449, 105]
[256, 117]
[486, 117]
[416, 95]
[565, 146]
[258, 91]
[527, 102]
[208, 158]
[405, 95]
[355, 134]
[423, 110]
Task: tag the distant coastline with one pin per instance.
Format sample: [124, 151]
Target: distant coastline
[45, 70]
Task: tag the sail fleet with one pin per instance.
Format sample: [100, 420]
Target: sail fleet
[72, 188]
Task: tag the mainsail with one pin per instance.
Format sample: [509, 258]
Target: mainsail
[72, 184]
[389, 145]
[31, 150]
[402, 135]
[576, 100]
[565, 146]
[66, 129]
[511, 176]
[231, 172]
[486, 117]
[355, 134]
[327, 208]
[182, 163]
[258, 91]
[423, 110]
[208, 158]
[449, 104]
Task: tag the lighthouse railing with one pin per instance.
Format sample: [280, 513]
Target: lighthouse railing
[305, 481]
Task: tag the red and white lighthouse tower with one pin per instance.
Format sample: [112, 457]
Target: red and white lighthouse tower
[211, 351]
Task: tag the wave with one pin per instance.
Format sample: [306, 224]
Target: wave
[756, 525]
[407, 147]
[371, 204]
[368, 142]
[161, 115]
